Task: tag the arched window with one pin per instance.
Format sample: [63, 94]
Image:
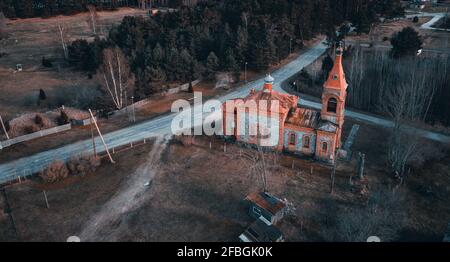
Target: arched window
[332, 105]
[306, 141]
[325, 147]
[292, 138]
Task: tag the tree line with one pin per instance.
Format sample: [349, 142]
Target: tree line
[226, 35]
[47, 8]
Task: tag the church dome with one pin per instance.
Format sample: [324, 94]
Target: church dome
[269, 79]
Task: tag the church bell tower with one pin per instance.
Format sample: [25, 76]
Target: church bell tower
[334, 94]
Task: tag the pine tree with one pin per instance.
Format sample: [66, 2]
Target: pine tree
[186, 63]
[241, 45]
[327, 65]
[212, 65]
[42, 95]
[406, 42]
[232, 65]
[158, 54]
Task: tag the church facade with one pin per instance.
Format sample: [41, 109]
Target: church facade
[280, 123]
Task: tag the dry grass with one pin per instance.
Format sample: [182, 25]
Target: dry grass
[33, 122]
[201, 191]
[31, 39]
[29, 123]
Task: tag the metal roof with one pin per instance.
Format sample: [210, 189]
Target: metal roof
[267, 202]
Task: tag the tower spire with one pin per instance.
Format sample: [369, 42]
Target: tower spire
[336, 77]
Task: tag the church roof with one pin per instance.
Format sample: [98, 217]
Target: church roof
[286, 102]
[304, 117]
[327, 126]
[269, 79]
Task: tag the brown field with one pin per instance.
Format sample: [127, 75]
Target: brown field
[197, 195]
[432, 39]
[31, 39]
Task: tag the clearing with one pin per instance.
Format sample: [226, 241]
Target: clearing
[182, 192]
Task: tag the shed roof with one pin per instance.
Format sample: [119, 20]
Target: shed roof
[261, 232]
[267, 202]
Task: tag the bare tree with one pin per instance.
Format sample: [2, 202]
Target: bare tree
[64, 39]
[382, 216]
[145, 4]
[93, 18]
[2, 25]
[405, 102]
[261, 165]
[115, 76]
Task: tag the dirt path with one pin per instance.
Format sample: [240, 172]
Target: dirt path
[128, 198]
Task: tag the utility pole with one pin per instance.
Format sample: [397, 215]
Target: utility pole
[132, 105]
[4, 128]
[93, 139]
[101, 136]
[264, 175]
[46, 199]
[333, 173]
[290, 46]
[245, 72]
[361, 162]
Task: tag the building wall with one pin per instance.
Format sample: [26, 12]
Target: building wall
[330, 139]
[299, 146]
[248, 123]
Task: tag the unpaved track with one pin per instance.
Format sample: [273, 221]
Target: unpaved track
[129, 197]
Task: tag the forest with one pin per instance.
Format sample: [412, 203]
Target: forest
[226, 35]
[47, 8]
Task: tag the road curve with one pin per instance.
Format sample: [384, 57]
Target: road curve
[162, 125]
[429, 25]
[157, 126]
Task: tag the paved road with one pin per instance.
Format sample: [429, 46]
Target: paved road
[429, 25]
[385, 46]
[150, 128]
[161, 125]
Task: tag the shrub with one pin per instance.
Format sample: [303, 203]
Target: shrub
[31, 129]
[38, 120]
[46, 63]
[83, 165]
[42, 121]
[42, 95]
[81, 97]
[56, 171]
[63, 118]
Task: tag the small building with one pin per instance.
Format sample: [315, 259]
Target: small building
[266, 207]
[260, 231]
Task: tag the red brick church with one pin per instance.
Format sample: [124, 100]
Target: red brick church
[301, 131]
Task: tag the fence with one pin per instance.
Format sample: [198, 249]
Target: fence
[144, 102]
[178, 89]
[83, 122]
[35, 135]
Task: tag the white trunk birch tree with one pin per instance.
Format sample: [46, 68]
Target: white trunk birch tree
[93, 18]
[116, 77]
